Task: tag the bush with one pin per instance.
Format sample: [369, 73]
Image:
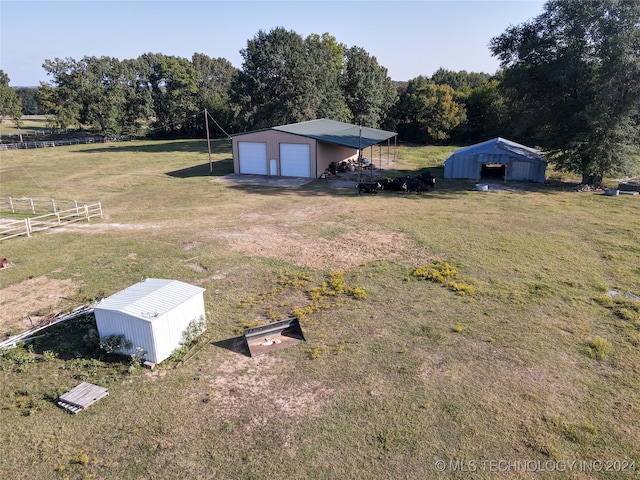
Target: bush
[599, 348]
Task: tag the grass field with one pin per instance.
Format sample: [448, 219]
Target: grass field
[32, 127]
[478, 329]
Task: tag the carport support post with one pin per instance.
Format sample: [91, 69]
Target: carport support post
[360, 155]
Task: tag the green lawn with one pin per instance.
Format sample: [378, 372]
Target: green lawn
[535, 365]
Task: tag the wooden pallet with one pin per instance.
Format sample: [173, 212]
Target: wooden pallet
[81, 397]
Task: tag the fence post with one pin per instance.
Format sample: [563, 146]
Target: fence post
[33, 209]
[75, 204]
[58, 216]
[11, 205]
[27, 226]
[100, 208]
[86, 212]
[53, 206]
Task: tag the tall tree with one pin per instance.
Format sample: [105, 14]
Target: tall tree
[275, 85]
[429, 112]
[459, 80]
[486, 113]
[571, 75]
[175, 92]
[101, 93]
[215, 76]
[368, 90]
[10, 104]
[59, 97]
[325, 56]
[29, 98]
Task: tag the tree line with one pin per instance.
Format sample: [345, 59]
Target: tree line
[568, 84]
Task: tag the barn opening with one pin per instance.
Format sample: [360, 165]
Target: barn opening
[493, 171]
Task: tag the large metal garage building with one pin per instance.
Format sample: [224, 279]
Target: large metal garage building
[303, 149]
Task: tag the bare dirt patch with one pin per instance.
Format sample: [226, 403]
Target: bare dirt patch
[35, 297]
[254, 385]
[347, 250]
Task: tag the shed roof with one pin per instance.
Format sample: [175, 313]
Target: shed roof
[501, 145]
[150, 298]
[339, 133]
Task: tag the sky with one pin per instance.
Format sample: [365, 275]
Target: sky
[408, 38]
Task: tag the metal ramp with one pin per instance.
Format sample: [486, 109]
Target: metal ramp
[273, 336]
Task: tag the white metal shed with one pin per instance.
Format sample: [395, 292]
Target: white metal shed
[152, 315]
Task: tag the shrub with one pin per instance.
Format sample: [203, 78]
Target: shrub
[599, 348]
[358, 293]
[115, 343]
[438, 271]
[462, 288]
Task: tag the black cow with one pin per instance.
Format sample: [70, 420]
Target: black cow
[428, 180]
[420, 184]
[394, 185]
[368, 187]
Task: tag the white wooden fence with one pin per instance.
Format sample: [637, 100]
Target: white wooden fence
[74, 211]
[63, 142]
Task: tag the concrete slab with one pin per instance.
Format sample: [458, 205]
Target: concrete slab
[264, 180]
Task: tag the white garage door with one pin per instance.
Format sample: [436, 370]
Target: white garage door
[295, 160]
[253, 157]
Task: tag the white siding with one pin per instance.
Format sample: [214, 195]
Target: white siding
[152, 315]
[168, 330]
[137, 331]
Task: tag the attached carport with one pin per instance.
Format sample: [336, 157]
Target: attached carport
[303, 149]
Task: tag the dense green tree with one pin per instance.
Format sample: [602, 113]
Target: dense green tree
[275, 85]
[429, 112]
[487, 114]
[102, 93]
[10, 104]
[29, 98]
[325, 56]
[215, 76]
[459, 80]
[571, 75]
[368, 90]
[60, 97]
[175, 94]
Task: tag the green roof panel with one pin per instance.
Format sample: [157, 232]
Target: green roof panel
[339, 133]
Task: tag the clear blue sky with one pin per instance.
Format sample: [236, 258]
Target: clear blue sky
[409, 38]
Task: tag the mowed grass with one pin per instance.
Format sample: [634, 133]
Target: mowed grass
[32, 125]
[536, 363]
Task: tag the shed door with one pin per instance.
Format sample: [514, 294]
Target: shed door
[295, 160]
[253, 157]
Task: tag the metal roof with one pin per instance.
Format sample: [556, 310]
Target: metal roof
[339, 133]
[150, 299]
[501, 145]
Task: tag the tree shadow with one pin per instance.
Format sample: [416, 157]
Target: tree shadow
[218, 168]
[218, 146]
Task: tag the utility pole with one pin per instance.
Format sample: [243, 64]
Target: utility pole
[206, 123]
